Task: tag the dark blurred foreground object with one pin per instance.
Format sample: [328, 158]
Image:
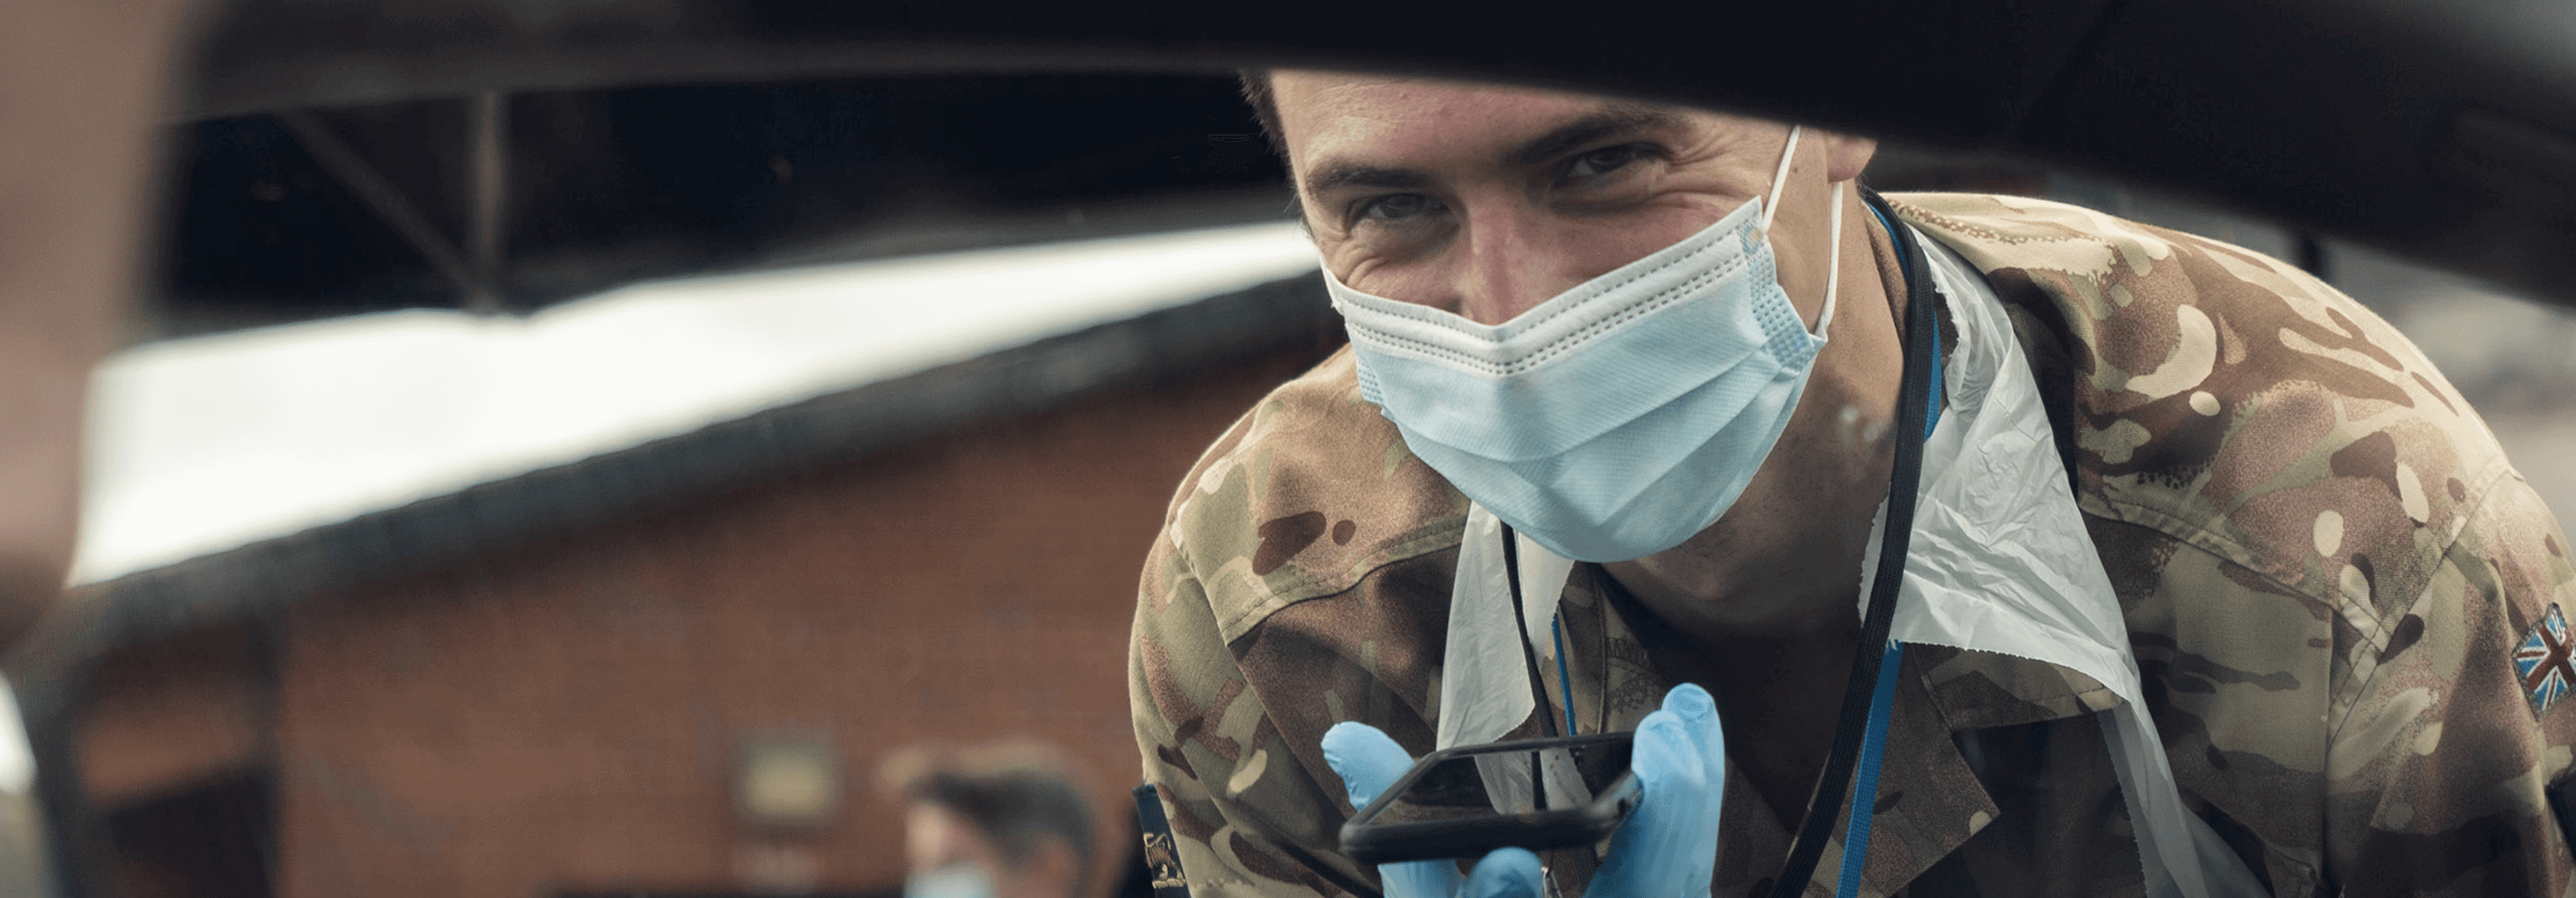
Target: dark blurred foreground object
[82, 85]
[2446, 132]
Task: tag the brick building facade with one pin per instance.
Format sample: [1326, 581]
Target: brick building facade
[549, 685]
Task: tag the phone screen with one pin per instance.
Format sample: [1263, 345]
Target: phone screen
[1467, 785]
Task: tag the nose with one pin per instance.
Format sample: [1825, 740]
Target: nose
[1509, 264]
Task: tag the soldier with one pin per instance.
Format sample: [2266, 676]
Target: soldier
[2211, 584]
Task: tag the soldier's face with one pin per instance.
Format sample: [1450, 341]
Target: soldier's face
[1486, 200]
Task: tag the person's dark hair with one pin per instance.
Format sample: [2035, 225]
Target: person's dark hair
[1016, 795]
[1265, 108]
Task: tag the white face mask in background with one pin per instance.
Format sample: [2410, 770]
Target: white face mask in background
[958, 880]
[1618, 418]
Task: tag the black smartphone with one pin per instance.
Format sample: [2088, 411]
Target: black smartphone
[1463, 802]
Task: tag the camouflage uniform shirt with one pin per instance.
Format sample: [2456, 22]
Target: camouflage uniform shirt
[2345, 604]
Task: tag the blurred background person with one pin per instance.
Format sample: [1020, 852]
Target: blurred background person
[1001, 820]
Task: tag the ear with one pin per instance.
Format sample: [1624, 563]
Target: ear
[1846, 155]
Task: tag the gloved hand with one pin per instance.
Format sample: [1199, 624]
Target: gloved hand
[1666, 849]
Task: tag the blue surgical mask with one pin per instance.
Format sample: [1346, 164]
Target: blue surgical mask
[1618, 418]
[958, 880]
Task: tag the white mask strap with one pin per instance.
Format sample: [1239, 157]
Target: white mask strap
[1833, 269]
[1771, 204]
[1834, 216]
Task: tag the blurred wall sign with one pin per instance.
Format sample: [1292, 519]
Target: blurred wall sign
[787, 782]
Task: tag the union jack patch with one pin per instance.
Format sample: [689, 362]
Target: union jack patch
[2543, 662]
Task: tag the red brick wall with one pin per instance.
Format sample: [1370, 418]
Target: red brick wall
[566, 716]
[173, 714]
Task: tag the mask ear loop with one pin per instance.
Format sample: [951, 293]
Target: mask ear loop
[1833, 268]
[1779, 179]
[1834, 218]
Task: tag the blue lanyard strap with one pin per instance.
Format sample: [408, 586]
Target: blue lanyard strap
[1905, 264]
[1882, 703]
[1564, 681]
[1865, 784]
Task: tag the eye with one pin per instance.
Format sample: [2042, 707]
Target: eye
[1394, 208]
[1604, 161]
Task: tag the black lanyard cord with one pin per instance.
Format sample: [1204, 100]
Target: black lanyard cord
[1529, 656]
[1913, 406]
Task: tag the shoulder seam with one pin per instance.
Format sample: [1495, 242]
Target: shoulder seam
[2485, 491]
[2201, 537]
[1423, 541]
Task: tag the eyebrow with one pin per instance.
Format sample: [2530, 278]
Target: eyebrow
[1610, 120]
[1353, 174]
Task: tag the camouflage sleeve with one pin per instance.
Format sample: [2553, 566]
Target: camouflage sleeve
[2456, 718]
[1240, 801]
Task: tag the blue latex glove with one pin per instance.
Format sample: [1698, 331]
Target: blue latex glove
[1666, 849]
